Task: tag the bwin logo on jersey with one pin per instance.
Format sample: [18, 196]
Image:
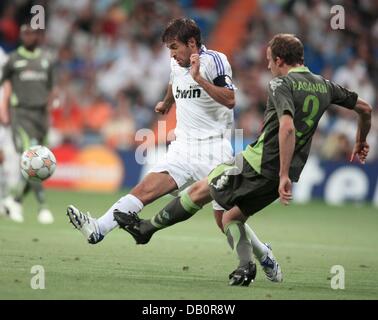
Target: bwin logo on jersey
[221, 182]
[188, 94]
[274, 84]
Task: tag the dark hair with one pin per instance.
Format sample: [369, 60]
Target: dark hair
[182, 29]
[287, 47]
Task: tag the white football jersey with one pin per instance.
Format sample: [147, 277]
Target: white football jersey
[198, 115]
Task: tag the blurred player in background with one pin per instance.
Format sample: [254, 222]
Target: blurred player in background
[201, 85]
[9, 160]
[297, 100]
[3, 59]
[3, 180]
[29, 73]
[5, 141]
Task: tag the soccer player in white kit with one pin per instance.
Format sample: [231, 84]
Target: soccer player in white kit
[201, 85]
[8, 156]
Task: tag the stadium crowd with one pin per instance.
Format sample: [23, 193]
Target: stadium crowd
[111, 67]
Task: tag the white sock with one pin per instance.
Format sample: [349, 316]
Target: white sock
[126, 204]
[259, 249]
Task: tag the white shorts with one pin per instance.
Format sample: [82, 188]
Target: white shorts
[187, 162]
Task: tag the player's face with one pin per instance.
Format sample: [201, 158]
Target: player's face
[272, 64]
[180, 52]
[29, 38]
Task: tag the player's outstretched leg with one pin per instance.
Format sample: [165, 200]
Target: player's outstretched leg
[128, 204]
[152, 187]
[138, 228]
[179, 209]
[87, 225]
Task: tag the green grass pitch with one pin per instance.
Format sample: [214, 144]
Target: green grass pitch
[191, 260]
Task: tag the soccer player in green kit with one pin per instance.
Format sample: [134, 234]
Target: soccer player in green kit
[265, 170]
[29, 73]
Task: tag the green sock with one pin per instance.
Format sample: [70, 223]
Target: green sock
[179, 209]
[239, 241]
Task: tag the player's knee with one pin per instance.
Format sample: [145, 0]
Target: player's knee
[233, 215]
[226, 219]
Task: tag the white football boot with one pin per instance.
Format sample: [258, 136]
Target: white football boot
[13, 209]
[87, 225]
[45, 216]
[271, 267]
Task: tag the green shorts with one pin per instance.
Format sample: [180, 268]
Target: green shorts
[232, 186]
[29, 127]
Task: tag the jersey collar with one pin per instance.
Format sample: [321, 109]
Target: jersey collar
[22, 51]
[299, 69]
[202, 49]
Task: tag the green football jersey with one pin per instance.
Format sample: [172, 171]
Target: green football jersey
[31, 76]
[305, 96]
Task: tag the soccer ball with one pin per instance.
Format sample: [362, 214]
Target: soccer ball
[37, 163]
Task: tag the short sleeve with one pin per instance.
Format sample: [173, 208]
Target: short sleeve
[342, 96]
[218, 70]
[280, 95]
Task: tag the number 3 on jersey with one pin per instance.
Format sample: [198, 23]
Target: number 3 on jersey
[312, 111]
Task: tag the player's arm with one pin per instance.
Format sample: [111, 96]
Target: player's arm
[286, 138]
[220, 94]
[361, 147]
[280, 94]
[164, 106]
[350, 100]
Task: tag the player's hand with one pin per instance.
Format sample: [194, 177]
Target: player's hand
[285, 190]
[195, 66]
[162, 107]
[361, 150]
